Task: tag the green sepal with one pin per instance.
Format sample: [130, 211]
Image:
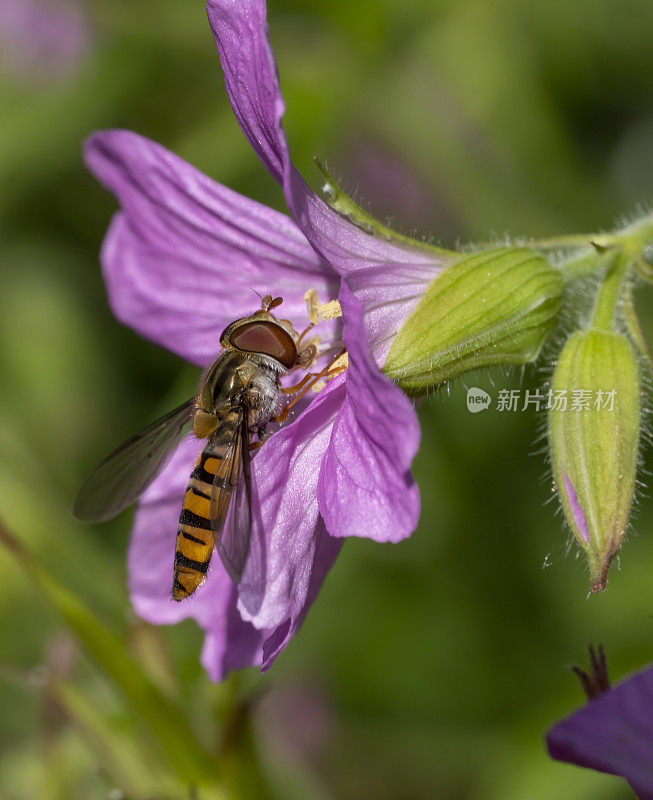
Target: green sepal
[594, 451]
[339, 201]
[633, 327]
[494, 307]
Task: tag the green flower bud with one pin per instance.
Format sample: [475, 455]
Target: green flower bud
[594, 438]
[494, 307]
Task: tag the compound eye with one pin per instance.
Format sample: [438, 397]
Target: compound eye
[266, 338]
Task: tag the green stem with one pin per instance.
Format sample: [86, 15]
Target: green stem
[638, 235]
[610, 292]
[586, 265]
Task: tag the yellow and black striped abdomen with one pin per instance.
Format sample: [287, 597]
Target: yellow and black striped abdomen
[194, 545]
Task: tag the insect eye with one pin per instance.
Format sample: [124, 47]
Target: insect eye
[266, 338]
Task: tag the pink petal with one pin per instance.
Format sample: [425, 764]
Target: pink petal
[230, 643]
[185, 255]
[388, 296]
[250, 73]
[286, 525]
[325, 552]
[613, 733]
[240, 31]
[365, 487]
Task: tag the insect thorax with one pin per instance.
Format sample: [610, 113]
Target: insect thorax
[236, 379]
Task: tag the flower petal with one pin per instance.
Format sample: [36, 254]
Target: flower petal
[613, 733]
[240, 31]
[185, 256]
[365, 487]
[388, 296]
[286, 526]
[325, 552]
[230, 643]
[250, 73]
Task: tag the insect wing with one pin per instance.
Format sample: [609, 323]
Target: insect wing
[231, 503]
[126, 473]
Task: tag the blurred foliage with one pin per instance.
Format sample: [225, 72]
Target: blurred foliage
[434, 666]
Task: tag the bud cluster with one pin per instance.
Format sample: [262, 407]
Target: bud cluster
[499, 307]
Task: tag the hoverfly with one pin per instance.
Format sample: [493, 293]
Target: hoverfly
[239, 394]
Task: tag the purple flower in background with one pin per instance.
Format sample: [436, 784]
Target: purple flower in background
[613, 733]
[180, 260]
[298, 720]
[42, 39]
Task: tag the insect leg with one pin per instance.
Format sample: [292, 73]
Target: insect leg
[305, 386]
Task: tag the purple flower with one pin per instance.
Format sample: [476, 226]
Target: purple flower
[180, 260]
[613, 733]
[42, 39]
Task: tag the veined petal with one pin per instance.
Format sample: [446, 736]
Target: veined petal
[365, 487]
[286, 527]
[184, 256]
[230, 643]
[325, 552]
[613, 733]
[240, 31]
[250, 73]
[388, 296]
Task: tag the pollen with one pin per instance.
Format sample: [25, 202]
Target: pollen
[320, 311]
[317, 312]
[330, 310]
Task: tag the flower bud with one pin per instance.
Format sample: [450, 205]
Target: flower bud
[494, 307]
[594, 423]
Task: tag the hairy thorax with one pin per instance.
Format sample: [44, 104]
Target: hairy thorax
[236, 379]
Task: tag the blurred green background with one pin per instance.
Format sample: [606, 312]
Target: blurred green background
[430, 669]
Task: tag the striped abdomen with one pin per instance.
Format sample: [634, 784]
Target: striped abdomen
[194, 546]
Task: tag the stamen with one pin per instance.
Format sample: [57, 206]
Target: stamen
[317, 311]
[321, 311]
[340, 364]
[337, 367]
[312, 303]
[330, 310]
